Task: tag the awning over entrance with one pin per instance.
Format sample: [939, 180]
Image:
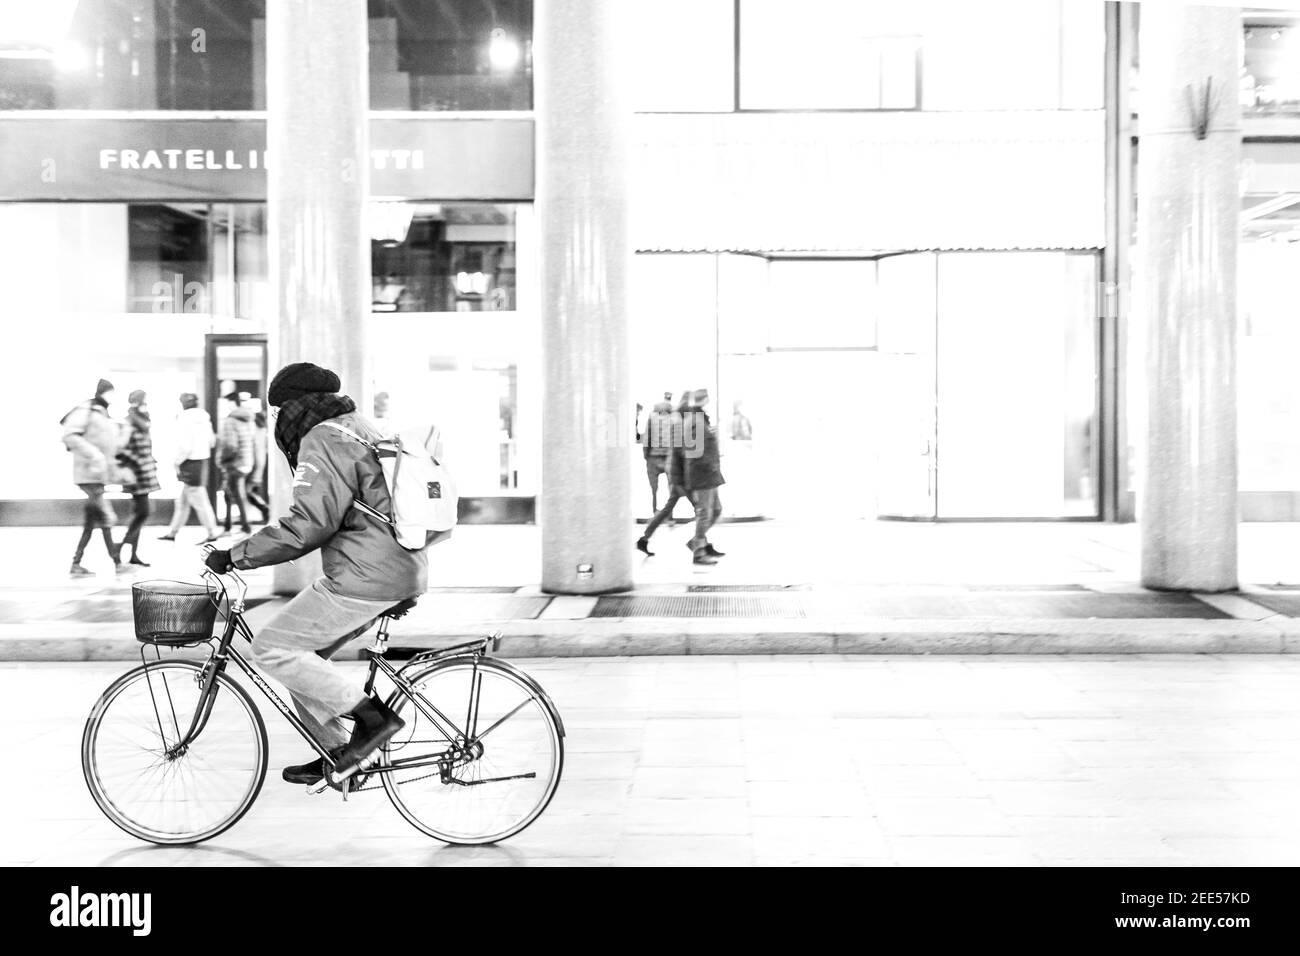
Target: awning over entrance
[864, 183]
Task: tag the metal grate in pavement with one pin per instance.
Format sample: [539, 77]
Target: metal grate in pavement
[475, 589]
[714, 605]
[731, 588]
[1026, 587]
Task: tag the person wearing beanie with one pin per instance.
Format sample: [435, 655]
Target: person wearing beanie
[93, 439]
[137, 456]
[328, 444]
[194, 441]
[702, 474]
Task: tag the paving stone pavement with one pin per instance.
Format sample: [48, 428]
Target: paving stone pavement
[1140, 760]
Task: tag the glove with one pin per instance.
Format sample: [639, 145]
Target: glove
[219, 562]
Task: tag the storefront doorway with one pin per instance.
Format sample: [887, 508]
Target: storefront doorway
[234, 373]
[919, 386]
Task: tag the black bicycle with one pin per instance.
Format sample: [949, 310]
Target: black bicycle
[175, 750]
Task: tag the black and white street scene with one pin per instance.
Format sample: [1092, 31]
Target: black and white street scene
[652, 433]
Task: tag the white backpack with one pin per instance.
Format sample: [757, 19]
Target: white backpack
[421, 488]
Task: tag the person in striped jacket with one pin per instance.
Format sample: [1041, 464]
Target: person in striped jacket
[137, 456]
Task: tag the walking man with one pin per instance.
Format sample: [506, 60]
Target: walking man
[194, 441]
[702, 474]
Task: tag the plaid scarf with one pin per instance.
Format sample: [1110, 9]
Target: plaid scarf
[300, 415]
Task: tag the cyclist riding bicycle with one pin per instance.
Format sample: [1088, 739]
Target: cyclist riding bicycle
[366, 571]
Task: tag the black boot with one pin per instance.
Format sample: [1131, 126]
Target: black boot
[309, 773]
[374, 726]
[714, 551]
[643, 545]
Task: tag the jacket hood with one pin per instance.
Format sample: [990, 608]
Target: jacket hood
[195, 413]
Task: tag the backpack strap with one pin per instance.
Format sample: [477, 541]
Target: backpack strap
[351, 434]
[357, 502]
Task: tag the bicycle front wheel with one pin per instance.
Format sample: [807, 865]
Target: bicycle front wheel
[150, 786]
[487, 766]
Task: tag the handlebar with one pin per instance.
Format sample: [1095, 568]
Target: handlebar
[242, 585]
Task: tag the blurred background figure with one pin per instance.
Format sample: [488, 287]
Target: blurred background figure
[702, 474]
[657, 440]
[137, 456]
[94, 438]
[235, 459]
[741, 429]
[194, 441]
[257, 480]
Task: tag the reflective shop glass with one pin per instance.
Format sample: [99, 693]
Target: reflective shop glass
[443, 257]
[1270, 68]
[924, 54]
[211, 55]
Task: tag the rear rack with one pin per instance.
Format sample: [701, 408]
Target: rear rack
[479, 648]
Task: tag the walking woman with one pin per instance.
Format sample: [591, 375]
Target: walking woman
[137, 455]
[93, 439]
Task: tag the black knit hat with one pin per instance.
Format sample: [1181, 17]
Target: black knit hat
[300, 378]
[104, 386]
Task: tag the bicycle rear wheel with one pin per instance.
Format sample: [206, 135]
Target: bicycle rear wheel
[144, 783]
[494, 773]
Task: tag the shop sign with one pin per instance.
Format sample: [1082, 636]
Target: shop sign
[78, 159]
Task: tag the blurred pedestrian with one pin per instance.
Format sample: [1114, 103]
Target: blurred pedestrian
[741, 429]
[657, 440]
[675, 471]
[257, 495]
[235, 459]
[137, 456]
[93, 439]
[194, 441]
[702, 474]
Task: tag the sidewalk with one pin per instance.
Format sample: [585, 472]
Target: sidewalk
[854, 588]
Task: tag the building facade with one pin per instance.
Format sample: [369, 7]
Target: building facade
[896, 242]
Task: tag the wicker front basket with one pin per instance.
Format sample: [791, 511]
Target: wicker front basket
[172, 612]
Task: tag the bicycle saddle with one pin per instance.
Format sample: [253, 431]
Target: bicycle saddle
[399, 609]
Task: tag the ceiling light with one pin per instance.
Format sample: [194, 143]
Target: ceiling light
[503, 51]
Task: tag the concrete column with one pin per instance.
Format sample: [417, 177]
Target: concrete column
[317, 184]
[1188, 229]
[583, 119]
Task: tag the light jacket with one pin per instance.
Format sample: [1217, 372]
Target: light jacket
[235, 443]
[359, 555]
[194, 436]
[94, 439]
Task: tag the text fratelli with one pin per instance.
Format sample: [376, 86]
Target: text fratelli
[233, 159]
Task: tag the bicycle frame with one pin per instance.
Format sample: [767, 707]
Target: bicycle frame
[460, 742]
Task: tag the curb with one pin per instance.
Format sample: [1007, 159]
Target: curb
[614, 637]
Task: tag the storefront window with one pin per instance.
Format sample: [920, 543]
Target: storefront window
[197, 258]
[824, 54]
[451, 55]
[211, 55]
[442, 257]
[1270, 71]
[130, 54]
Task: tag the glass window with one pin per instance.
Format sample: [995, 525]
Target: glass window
[822, 303]
[130, 54]
[1017, 391]
[442, 257]
[451, 55]
[684, 56]
[825, 54]
[1270, 70]
[197, 258]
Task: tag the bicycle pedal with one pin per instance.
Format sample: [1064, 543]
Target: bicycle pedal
[319, 787]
